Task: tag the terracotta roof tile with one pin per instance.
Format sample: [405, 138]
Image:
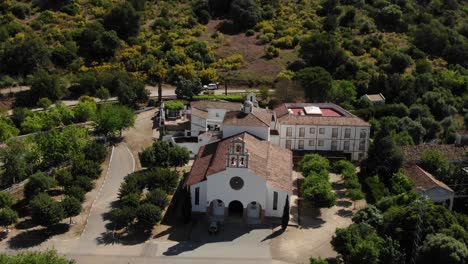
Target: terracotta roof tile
[266, 160]
[207, 104]
[452, 152]
[422, 178]
[259, 117]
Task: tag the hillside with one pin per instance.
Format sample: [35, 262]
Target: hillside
[413, 52]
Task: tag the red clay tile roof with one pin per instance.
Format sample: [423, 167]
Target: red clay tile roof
[422, 178]
[266, 160]
[258, 117]
[322, 120]
[207, 104]
[452, 152]
[346, 118]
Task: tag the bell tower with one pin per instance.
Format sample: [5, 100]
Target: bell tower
[238, 157]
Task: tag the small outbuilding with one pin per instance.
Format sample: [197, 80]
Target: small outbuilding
[375, 99]
[427, 185]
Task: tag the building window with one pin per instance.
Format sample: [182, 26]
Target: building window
[217, 114]
[275, 200]
[362, 145]
[312, 130]
[197, 195]
[322, 130]
[301, 132]
[347, 133]
[289, 131]
[363, 134]
[346, 145]
[334, 132]
[301, 144]
[311, 142]
[320, 143]
[360, 156]
[334, 145]
[288, 144]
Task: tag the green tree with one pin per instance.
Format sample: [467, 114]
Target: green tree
[45, 211]
[317, 83]
[318, 191]
[131, 200]
[178, 156]
[322, 50]
[71, 207]
[314, 163]
[8, 216]
[319, 260]
[24, 56]
[83, 167]
[342, 93]
[19, 159]
[244, 13]
[7, 130]
[97, 44]
[49, 257]
[399, 62]
[6, 200]
[38, 183]
[187, 88]
[163, 154]
[434, 162]
[44, 103]
[103, 93]
[95, 151]
[148, 215]
[359, 243]
[113, 118]
[85, 111]
[45, 85]
[124, 20]
[440, 248]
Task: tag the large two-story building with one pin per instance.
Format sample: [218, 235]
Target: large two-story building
[302, 127]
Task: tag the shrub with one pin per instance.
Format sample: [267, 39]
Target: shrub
[286, 42]
[250, 32]
[157, 197]
[39, 182]
[95, 151]
[84, 167]
[148, 215]
[20, 10]
[230, 97]
[6, 200]
[271, 52]
[174, 105]
[314, 163]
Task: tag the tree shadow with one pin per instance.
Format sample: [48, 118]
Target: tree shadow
[228, 27]
[345, 213]
[27, 223]
[36, 237]
[338, 186]
[344, 203]
[200, 236]
[275, 234]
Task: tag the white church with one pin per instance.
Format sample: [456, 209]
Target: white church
[241, 176]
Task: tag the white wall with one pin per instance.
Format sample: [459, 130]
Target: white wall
[326, 137]
[261, 132]
[254, 188]
[216, 114]
[197, 123]
[201, 207]
[281, 201]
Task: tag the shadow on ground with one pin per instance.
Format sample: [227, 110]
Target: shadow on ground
[35, 237]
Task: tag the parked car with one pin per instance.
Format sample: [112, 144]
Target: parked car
[214, 227]
[211, 86]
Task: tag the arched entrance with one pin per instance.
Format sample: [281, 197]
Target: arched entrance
[236, 209]
[217, 207]
[253, 210]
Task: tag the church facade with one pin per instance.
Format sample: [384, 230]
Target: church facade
[241, 176]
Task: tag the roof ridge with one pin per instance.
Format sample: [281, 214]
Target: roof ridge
[433, 179]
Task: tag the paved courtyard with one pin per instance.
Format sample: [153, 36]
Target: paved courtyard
[316, 227]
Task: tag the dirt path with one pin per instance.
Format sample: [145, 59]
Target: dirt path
[141, 134]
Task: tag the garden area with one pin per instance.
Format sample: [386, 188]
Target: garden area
[145, 195]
